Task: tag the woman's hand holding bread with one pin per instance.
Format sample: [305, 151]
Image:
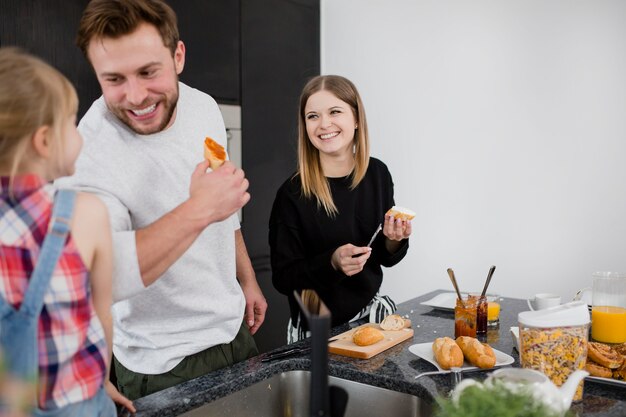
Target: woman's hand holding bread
[476, 353]
[400, 213]
[397, 227]
[447, 353]
[397, 224]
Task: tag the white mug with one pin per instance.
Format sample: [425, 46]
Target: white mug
[544, 300]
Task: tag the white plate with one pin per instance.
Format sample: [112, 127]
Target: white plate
[515, 334]
[609, 381]
[425, 351]
[447, 300]
[443, 301]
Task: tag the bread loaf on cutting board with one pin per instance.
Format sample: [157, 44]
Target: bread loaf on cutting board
[366, 336]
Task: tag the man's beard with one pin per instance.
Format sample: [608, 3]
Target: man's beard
[169, 107]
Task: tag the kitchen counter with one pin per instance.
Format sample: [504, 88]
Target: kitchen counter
[396, 369]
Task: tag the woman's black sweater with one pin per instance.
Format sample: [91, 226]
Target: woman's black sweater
[303, 238]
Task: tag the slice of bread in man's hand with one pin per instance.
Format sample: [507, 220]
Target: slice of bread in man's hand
[214, 153]
[401, 213]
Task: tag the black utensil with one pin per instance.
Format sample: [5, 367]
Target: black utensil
[489, 275]
[286, 353]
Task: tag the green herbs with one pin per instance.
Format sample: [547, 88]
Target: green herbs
[495, 401]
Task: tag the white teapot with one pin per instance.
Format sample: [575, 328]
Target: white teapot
[539, 385]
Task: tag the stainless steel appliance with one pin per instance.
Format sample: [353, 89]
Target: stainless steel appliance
[232, 120]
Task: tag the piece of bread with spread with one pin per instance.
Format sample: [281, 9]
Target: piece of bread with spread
[604, 355]
[447, 353]
[595, 369]
[477, 353]
[214, 153]
[366, 336]
[620, 373]
[401, 213]
[606, 361]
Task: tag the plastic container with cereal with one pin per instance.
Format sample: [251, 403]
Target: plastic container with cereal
[554, 341]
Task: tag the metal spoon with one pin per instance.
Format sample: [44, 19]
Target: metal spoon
[456, 287]
[489, 275]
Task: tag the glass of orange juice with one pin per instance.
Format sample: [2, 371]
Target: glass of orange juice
[493, 310]
[608, 312]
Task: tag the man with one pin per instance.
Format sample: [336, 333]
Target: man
[183, 279]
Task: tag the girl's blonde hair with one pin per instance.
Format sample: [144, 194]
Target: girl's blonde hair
[32, 94]
[314, 183]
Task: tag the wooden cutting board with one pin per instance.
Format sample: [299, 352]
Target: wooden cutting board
[343, 345]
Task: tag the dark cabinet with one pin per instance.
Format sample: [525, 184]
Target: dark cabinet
[210, 31]
[48, 30]
[280, 51]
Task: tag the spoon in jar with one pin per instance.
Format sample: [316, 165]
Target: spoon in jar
[489, 275]
[456, 287]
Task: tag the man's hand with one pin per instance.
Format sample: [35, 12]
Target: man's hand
[350, 259]
[117, 397]
[217, 194]
[213, 196]
[256, 306]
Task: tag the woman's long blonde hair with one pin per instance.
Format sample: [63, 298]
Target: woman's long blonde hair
[314, 183]
[32, 94]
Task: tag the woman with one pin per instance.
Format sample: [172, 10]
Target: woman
[324, 216]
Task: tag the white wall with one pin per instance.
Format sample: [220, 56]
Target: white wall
[504, 126]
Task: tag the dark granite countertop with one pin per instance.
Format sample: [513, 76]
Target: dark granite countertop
[395, 369]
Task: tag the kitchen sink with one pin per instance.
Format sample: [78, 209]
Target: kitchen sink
[287, 395]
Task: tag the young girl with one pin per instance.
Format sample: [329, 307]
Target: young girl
[324, 216]
[55, 249]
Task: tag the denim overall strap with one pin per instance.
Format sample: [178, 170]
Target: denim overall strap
[18, 328]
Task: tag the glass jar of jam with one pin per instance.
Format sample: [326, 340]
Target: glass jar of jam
[482, 307]
[470, 316]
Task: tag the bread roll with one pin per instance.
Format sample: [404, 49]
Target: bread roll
[214, 153]
[447, 353]
[366, 336]
[476, 353]
[393, 322]
[401, 213]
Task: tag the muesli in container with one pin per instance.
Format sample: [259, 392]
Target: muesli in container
[554, 341]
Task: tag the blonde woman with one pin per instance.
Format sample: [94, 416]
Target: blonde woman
[324, 215]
